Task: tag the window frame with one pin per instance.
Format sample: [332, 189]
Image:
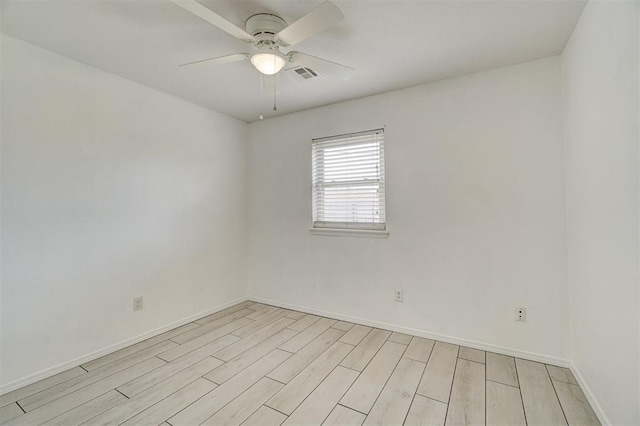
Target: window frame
[336, 228]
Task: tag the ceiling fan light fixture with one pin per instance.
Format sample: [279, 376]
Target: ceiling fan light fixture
[268, 63]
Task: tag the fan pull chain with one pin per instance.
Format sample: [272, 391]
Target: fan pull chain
[275, 82]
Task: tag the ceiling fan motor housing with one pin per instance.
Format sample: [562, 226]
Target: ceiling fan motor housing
[264, 27]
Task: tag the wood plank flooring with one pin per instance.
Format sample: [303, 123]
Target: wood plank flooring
[253, 364]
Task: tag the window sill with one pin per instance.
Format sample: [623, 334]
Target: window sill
[335, 232]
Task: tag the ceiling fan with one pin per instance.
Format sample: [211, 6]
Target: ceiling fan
[268, 33]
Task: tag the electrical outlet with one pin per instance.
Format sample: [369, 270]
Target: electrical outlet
[138, 303]
[521, 314]
[397, 295]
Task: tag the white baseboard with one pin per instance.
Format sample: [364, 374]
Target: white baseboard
[421, 333]
[8, 387]
[589, 394]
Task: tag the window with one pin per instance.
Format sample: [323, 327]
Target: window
[348, 181]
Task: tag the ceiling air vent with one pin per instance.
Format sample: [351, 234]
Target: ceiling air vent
[305, 73]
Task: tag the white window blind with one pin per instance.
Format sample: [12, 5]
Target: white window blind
[348, 181]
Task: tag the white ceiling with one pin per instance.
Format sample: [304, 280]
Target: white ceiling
[391, 43]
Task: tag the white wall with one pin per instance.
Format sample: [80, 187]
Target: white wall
[475, 211]
[110, 190]
[600, 113]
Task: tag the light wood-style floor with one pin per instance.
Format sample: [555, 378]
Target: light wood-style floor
[253, 364]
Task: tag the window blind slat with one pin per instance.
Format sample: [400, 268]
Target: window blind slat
[345, 197]
[372, 169]
[365, 147]
[342, 161]
[348, 183]
[330, 201]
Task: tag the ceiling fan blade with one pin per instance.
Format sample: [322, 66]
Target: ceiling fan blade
[213, 18]
[236, 57]
[320, 65]
[319, 19]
